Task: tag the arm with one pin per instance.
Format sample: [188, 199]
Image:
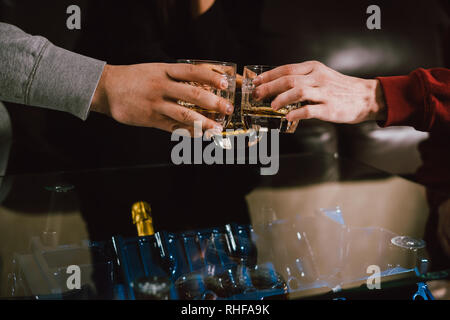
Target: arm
[421, 99]
[35, 72]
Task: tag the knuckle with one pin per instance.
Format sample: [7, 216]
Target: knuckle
[286, 82]
[317, 80]
[262, 90]
[290, 69]
[307, 113]
[316, 64]
[186, 115]
[299, 93]
[196, 93]
[291, 82]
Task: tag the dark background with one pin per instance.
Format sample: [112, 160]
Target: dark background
[274, 32]
[414, 34]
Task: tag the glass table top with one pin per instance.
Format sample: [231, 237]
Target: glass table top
[322, 226]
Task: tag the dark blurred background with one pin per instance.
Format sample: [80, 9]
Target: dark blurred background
[273, 32]
[414, 34]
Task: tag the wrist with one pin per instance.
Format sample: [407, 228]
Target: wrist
[377, 103]
[100, 100]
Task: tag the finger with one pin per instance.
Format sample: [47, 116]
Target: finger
[170, 125]
[188, 117]
[280, 85]
[316, 111]
[275, 87]
[197, 73]
[199, 97]
[296, 95]
[286, 70]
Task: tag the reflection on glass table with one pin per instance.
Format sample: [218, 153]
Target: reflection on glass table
[317, 229]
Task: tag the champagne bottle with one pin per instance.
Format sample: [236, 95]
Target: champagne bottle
[142, 218]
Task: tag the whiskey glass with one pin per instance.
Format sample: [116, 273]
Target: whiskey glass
[228, 70]
[259, 115]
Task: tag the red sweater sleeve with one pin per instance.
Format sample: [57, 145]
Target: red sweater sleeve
[420, 99]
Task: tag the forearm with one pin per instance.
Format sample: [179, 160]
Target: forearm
[35, 72]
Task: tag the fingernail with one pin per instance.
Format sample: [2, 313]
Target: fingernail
[257, 80]
[229, 109]
[218, 128]
[224, 83]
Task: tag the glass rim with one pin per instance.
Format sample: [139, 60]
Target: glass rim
[260, 67]
[222, 63]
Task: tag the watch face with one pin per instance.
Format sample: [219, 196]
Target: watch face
[408, 242]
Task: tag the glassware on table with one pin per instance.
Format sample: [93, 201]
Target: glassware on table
[61, 194]
[228, 70]
[409, 252]
[408, 242]
[259, 115]
[152, 288]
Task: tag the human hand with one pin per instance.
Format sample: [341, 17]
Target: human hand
[328, 94]
[222, 70]
[146, 95]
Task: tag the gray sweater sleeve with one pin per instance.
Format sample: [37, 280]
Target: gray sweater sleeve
[35, 72]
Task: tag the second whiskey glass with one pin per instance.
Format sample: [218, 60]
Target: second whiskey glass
[259, 115]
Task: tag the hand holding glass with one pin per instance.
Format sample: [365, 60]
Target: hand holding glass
[228, 70]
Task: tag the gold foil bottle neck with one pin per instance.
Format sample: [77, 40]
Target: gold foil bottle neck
[142, 218]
